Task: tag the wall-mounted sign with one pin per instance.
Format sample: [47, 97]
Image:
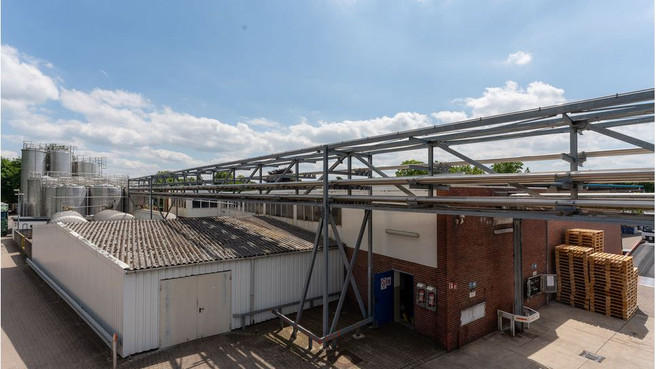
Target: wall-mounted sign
[431, 298]
[420, 298]
[384, 282]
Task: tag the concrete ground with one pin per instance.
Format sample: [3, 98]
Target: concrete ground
[40, 331]
[558, 338]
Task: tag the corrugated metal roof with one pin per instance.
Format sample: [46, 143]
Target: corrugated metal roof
[147, 244]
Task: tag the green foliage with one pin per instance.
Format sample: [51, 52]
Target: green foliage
[467, 169]
[219, 177]
[510, 167]
[170, 179]
[411, 172]
[11, 179]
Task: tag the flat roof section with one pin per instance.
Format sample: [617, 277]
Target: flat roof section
[149, 244]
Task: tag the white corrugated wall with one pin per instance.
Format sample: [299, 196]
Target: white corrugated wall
[93, 280]
[278, 279]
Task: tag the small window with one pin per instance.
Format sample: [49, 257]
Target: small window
[195, 204]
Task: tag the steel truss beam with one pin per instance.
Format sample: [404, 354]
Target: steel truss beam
[575, 118]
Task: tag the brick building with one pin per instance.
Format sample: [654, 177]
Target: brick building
[468, 260]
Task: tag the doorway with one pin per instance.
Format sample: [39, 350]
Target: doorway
[404, 302]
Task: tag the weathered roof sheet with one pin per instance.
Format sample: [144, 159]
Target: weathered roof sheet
[146, 244]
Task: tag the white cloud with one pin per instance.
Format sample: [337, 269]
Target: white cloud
[446, 116]
[7, 154]
[511, 97]
[23, 83]
[139, 137]
[519, 58]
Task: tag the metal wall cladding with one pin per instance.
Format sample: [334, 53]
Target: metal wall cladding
[72, 197]
[92, 279]
[32, 161]
[102, 197]
[33, 198]
[49, 198]
[275, 280]
[85, 169]
[60, 162]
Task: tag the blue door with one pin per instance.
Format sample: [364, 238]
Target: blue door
[384, 297]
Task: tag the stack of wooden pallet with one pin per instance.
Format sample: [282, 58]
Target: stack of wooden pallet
[585, 237]
[614, 285]
[572, 275]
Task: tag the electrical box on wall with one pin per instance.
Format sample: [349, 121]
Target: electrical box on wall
[420, 297]
[541, 283]
[431, 298]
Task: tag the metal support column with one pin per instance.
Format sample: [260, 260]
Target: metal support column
[349, 169]
[431, 170]
[517, 271]
[370, 252]
[326, 244]
[573, 153]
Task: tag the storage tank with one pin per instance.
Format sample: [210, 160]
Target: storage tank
[103, 197]
[71, 197]
[68, 216]
[144, 214]
[110, 215]
[49, 198]
[33, 198]
[33, 160]
[85, 169]
[59, 159]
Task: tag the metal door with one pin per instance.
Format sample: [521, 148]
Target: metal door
[384, 297]
[177, 311]
[214, 313]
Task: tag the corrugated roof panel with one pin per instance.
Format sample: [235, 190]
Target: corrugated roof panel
[147, 244]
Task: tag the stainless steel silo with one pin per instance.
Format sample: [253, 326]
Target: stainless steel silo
[33, 161]
[33, 198]
[59, 159]
[85, 169]
[72, 197]
[102, 197]
[50, 203]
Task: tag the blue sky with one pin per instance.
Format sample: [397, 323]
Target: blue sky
[173, 84]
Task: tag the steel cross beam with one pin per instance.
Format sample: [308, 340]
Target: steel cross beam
[335, 165]
[484, 168]
[349, 273]
[382, 174]
[622, 137]
[345, 261]
[283, 173]
[299, 311]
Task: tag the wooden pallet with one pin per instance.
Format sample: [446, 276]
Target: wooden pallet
[586, 238]
[613, 285]
[572, 275]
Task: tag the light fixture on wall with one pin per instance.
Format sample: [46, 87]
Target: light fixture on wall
[401, 233]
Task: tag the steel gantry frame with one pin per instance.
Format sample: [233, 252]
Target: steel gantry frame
[525, 199]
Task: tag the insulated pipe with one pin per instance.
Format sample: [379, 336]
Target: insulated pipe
[597, 176]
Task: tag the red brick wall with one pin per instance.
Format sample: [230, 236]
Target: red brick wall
[425, 320]
[534, 253]
[471, 252]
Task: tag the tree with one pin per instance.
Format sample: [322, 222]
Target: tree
[11, 179]
[509, 167]
[467, 169]
[411, 172]
[220, 177]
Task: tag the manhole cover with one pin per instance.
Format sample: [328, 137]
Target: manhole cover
[590, 356]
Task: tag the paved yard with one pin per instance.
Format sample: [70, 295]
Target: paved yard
[39, 330]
